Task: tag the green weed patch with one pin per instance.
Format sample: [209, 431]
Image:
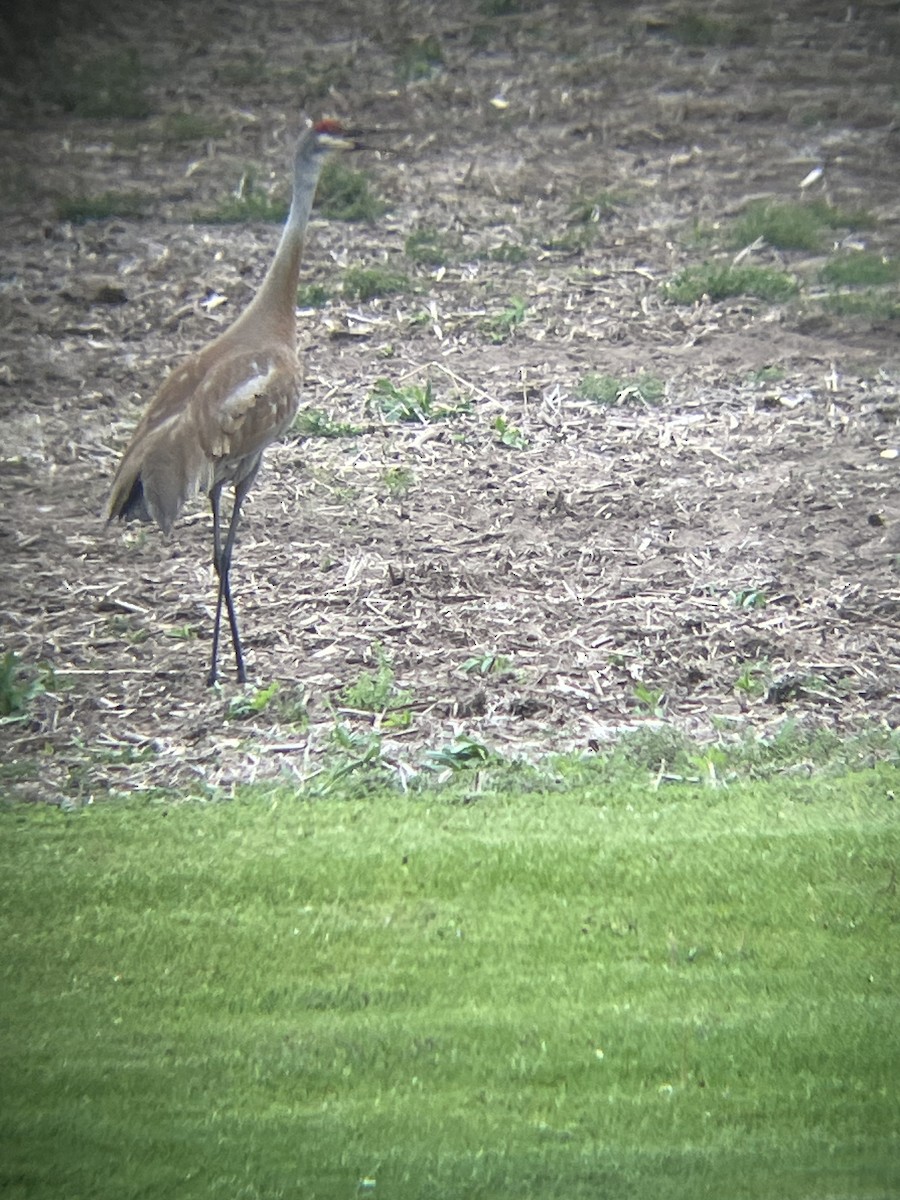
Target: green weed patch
[721, 280]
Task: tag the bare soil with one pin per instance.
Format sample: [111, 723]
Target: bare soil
[614, 553]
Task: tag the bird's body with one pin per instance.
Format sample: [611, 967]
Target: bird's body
[213, 417]
[208, 424]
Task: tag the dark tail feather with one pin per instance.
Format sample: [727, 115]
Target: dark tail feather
[134, 508]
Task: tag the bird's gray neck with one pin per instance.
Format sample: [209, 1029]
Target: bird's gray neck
[276, 300]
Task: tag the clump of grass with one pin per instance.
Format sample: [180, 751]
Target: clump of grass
[876, 305]
[862, 268]
[19, 685]
[354, 766]
[719, 281]
[345, 194]
[252, 703]
[107, 86]
[765, 375]
[409, 402]
[286, 705]
[502, 325]
[427, 247]
[316, 423]
[182, 633]
[464, 753]
[643, 388]
[127, 628]
[247, 203]
[582, 224]
[368, 283]
[790, 225]
[650, 700]
[376, 692]
[590, 209]
[419, 58]
[398, 481]
[312, 295]
[753, 680]
[81, 209]
[508, 252]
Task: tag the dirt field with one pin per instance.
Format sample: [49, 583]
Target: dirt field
[722, 555]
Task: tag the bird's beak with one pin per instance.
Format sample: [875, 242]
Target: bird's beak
[344, 141]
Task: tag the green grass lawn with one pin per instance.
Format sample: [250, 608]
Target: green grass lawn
[606, 991]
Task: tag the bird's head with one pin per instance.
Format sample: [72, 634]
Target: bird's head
[329, 134]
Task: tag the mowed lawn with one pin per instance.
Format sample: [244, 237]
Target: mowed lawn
[607, 990]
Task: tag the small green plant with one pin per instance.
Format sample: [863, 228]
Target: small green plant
[126, 627]
[789, 687]
[345, 194]
[409, 402]
[711, 765]
[487, 664]
[590, 209]
[427, 247]
[719, 281]
[611, 389]
[874, 305]
[582, 224]
[502, 325]
[376, 692]
[367, 283]
[792, 225]
[19, 685]
[861, 268]
[182, 633]
[312, 295]
[753, 679]
[750, 598]
[650, 700]
[461, 755]
[81, 209]
[248, 202]
[509, 435]
[354, 766]
[419, 58]
[508, 252]
[766, 375]
[398, 481]
[250, 704]
[316, 423]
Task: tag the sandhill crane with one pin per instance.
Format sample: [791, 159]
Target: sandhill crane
[215, 414]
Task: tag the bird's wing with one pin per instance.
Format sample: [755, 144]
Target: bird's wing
[214, 414]
[246, 401]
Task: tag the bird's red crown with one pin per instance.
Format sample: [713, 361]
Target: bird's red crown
[329, 125]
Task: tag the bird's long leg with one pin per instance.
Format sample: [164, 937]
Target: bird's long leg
[214, 497]
[222, 562]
